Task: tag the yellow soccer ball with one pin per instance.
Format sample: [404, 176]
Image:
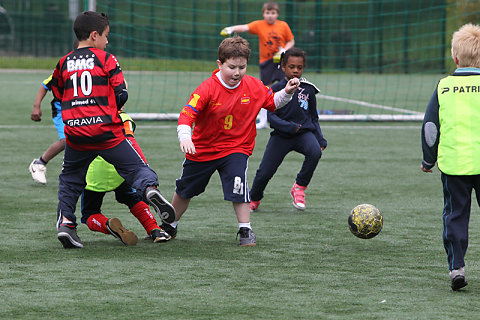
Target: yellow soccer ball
[365, 221]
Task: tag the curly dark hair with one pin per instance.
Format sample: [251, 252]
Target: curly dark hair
[293, 52]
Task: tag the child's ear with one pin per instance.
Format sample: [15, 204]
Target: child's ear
[456, 60]
[93, 35]
[219, 64]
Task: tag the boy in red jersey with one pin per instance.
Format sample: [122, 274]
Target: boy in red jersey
[90, 85]
[274, 37]
[223, 109]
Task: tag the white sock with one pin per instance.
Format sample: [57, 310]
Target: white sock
[244, 225]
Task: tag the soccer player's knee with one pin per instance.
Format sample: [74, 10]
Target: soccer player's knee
[316, 153]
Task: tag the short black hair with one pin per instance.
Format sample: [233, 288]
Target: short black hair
[89, 21]
[293, 52]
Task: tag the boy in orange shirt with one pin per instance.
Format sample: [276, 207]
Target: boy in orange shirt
[274, 37]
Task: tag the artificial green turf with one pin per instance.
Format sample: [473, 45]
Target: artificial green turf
[307, 265]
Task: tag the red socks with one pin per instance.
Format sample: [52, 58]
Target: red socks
[141, 211]
[96, 222]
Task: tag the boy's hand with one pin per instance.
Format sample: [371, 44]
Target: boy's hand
[292, 85]
[36, 114]
[187, 146]
[226, 32]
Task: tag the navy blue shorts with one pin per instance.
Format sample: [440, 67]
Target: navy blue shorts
[270, 72]
[233, 174]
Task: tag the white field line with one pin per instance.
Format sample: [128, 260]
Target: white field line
[174, 126]
[7, 126]
[366, 104]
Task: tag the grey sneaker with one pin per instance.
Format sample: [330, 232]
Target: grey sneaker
[247, 237]
[158, 235]
[457, 277]
[115, 227]
[164, 209]
[67, 235]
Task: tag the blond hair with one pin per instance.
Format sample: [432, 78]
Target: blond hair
[466, 46]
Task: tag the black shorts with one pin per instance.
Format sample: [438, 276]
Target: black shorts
[270, 72]
[233, 174]
[91, 202]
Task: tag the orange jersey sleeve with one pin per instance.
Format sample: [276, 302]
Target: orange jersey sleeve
[270, 37]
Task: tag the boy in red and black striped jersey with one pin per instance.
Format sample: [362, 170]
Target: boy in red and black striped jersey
[224, 108]
[90, 85]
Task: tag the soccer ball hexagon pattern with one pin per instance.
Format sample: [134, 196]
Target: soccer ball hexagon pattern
[365, 221]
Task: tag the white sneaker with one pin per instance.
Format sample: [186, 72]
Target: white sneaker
[261, 125]
[38, 172]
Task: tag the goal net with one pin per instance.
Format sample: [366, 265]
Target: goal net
[371, 59]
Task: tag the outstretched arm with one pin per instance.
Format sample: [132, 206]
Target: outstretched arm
[239, 28]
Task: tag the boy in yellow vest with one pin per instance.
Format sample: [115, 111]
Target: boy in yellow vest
[451, 137]
[101, 178]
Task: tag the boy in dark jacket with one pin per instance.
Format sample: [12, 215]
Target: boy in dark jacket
[295, 128]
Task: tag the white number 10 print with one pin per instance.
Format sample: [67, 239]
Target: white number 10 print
[85, 83]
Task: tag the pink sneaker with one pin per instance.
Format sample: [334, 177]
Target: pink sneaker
[254, 206]
[298, 195]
